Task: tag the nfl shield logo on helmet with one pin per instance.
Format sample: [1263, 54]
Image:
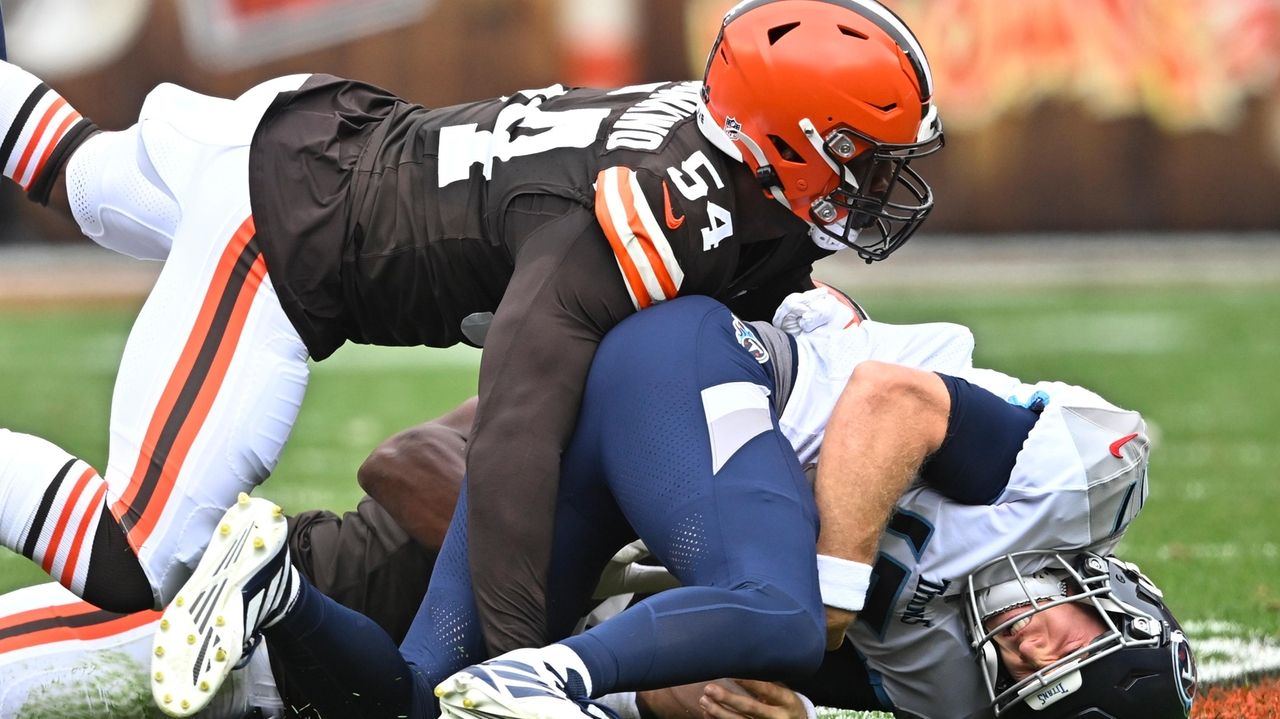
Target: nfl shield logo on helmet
[732, 127]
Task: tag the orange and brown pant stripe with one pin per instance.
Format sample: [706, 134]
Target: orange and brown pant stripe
[193, 385]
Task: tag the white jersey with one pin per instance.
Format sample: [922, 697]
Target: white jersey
[825, 359]
[1071, 488]
[60, 655]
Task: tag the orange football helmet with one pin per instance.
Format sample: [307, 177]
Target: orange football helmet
[828, 102]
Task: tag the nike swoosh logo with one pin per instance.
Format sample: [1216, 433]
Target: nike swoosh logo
[673, 222]
[1116, 445]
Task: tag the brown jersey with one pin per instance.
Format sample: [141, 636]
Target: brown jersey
[559, 210]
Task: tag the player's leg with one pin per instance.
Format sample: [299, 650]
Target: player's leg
[209, 384]
[351, 669]
[58, 651]
[708, 481]
[245, 589]
[114, 194]
[364, 560]
[62, 655]
[691, 453]
[319, 640]
[50, 502]
[346, 666]
[39, 132]
[338, 659]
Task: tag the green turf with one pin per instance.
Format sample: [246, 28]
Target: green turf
[1199, 362]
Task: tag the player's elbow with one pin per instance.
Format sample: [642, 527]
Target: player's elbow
[425, 455]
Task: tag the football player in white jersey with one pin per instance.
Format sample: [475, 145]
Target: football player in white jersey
[1019, 570]
[689, 438]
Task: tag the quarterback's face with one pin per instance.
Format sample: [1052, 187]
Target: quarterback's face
[1040, 639]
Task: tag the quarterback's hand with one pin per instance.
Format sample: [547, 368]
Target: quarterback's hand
[624, 574]
[802, 312]
[838, 621]
[737, 698]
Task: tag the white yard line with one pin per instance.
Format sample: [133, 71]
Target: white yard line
[1227, 652]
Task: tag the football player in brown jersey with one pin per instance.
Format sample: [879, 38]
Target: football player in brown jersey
[313, 210]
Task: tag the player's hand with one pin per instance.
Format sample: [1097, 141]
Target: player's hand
[838, 622]
[738, 698]
[802, 312]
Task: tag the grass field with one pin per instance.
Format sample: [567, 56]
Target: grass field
[1199, 361]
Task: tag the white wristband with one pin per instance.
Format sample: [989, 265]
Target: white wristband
[843, 583]
[810, 710]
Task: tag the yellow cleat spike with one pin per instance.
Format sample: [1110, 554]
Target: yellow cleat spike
[159, 651]
[243, 499]
[225, 529]
[164, 625]
[259, 543]
[168, 698]
[180, 601]
[186, 704]
[191, 639]
[440, 692]
[220, 655]
[204, 686]
[219, 622]
[469, 703]
[277, 511]
[160, 677]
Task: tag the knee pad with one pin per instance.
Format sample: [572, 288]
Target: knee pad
[118, 198]
[127, 188]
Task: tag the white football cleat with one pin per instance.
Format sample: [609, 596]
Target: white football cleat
[517, 685]
[242, 583]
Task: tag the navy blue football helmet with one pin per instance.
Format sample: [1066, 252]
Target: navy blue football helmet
[1140, 666]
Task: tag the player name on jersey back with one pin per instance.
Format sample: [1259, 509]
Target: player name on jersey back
[645, 125]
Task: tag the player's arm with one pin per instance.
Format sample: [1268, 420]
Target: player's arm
[416, 474]
[564, 295]
[887, 421]
[723, 699]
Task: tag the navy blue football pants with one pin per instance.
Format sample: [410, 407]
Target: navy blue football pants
[736, 524]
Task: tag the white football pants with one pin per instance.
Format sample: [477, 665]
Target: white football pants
[213, 372]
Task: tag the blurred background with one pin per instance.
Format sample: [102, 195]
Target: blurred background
[1062, 115]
